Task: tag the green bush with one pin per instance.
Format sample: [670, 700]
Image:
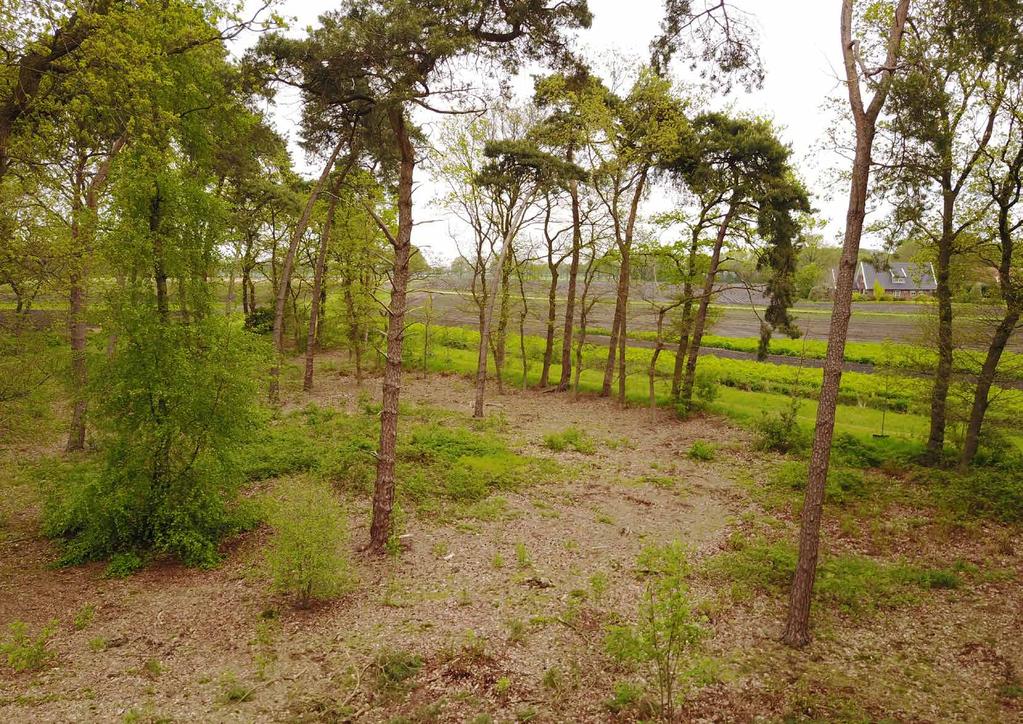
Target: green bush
[571, 438]
[666, 631]
[308, 554]
[260, 321]
[706, 385]
[25, 652]
[995, 493]
[702, 451]
[173, 407]
[394, 668]
[780, 431]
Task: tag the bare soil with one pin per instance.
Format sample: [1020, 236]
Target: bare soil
[172, 643]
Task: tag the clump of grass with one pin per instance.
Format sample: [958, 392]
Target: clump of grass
[393, 668]
[308, 555]
[626, 696]
[84, 616]
[522, 556]
[571, 438]
[24, 651]
[598, 586]
[703, 451]
[516, 631]
[233, 690]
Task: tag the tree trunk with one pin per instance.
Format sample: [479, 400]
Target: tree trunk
[285, 278]
[487, 313]
[501, 338]
[686, 397]
[159, 265]
[314, 304]
[552, 316]
[943, 371]
[687, 317]
[623, 303]
[612, 348]
[797, 625]
[573, 273]
[383, 490]
[984, 381]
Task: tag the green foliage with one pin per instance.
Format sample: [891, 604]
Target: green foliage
[25, 652]
[995, 493]
[394, 668]
[702, 450]
[666, 631]
[308, 555]
[175, 404]
[853, 584]
[571, 438]
[84, 616]
[780, 431]
[705, 386]
[260, 321]
[626, 696]
[844, 485]
[122, 565]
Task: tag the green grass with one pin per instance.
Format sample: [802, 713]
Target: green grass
[852, 584]
[453, 350]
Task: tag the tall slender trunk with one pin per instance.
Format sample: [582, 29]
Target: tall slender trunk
[700, 323]
[573, 273]
[487, 311]
[943, 370]
[383, 490]
[623, 303]
[284, 281]
[797, 625]
[314, 304]
[501, 337]
[159, 260]
[612, 348]
[985, 380]
[687, 317]
[552, 317]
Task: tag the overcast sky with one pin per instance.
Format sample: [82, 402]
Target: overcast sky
[799, 45]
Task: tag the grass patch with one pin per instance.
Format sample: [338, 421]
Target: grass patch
[852, 584]
[571, 438]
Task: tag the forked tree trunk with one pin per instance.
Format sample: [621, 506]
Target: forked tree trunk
[985, 380]
[573, 273]
[487, 312]
[797, 625]
[700, 323]
[285, 277]
[314, 303]
[383, 490]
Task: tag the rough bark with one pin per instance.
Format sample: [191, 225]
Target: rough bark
[289, 263]
[383, 489]
[552, 317]
[314, 304]
[797, 626]
[700, 322]
[573, 274]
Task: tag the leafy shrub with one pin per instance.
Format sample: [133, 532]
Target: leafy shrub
[571, 438]
[174, 406]
[260, 321]
[780, 432]
[308, 554]
[25, 652]
[995, 493]
[705, 385]
[702, 451]
[666, 631]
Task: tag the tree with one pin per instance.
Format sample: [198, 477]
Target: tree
[943, 111]
[518, 173]
[382, 58]
[864, 116]
[1003, 183]
[633, 135]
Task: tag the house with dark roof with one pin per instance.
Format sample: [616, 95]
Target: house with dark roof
[898, 279]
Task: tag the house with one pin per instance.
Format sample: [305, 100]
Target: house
[898, 279]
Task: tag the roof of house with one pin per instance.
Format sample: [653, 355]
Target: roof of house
[898, 275]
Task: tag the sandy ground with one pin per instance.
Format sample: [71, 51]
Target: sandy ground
[187, 645]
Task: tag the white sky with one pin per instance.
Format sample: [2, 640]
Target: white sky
[799, 45]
